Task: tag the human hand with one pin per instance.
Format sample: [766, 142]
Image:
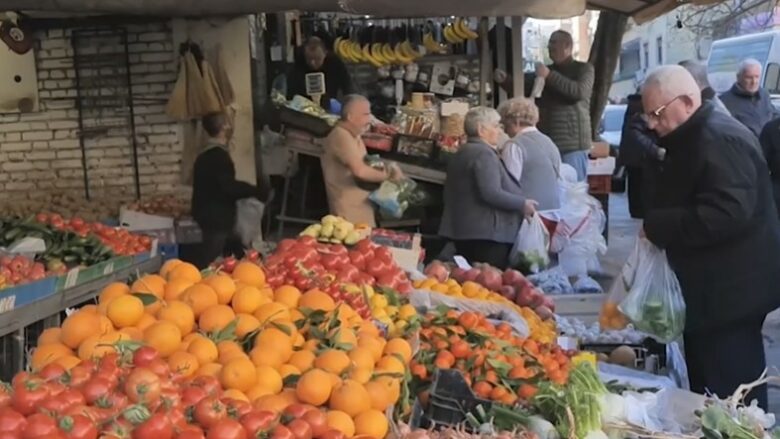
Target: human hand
[542, 70]
[395, 172]
[500, 76]
[529, 208]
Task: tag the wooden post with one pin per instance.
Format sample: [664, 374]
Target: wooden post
[485, 64]
[518, 61]
[500, 47]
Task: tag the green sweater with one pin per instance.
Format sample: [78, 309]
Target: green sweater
[564, 107]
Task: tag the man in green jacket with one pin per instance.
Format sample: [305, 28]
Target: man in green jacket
[564, 106]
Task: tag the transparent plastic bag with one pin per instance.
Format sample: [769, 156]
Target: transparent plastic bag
[532, 244]
[394, 197]
[610, 316]
[655, 303]
[249, 225]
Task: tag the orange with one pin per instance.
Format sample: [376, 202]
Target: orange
[227, 346]
[271, 312]
[125, 311]
[150, 284]
[373, 344]
[104, 325]
[286, 370]
[209, 369]
[298, 341]
[267, 292]
[333, 361]
[49, 336]
[338, 420]
[183, 363]
[345, 337]
[316, 300]
[362, 357]
[290, 396]
[43, 355]
[146, 321]
[361, 374]
[371, 423]
[335, 380]
[392, 386]
[164, 336]
[68, 361]
[271, 403]
[89, 308]
[97, 346]
[269, 378]
[235, 394]
[288, 295]
[314, 387]
[238, 373]
[77, 327]
[112, 290]
[350, 398]
[267, 357]
[216, 318]
[302, 360]
[204, 350]
[311, 345]
[369, 329]
[275, 339]
[187, 340]
[257, 392]
[178, 313]
[399, 346]
[223, 285]
[390, 364]
[246, 324]
[168, 266]
[175, 287]
[133, 333]
[185, 271]
[199, 297]
[379, 393]
[249, 273]
[247, 299]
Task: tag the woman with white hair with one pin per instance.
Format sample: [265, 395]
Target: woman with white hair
[530, 156]
[483, 204]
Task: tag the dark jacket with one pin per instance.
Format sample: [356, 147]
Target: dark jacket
[481, 200]
[715, 216]
[215, 190]
[770, 144]
[564, 107]
[639, 154]
[337, 79]
[754, 110]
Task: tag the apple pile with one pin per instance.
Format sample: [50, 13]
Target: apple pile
[509, 283]
[19, 270]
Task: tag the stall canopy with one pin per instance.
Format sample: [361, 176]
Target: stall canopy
[640, 9]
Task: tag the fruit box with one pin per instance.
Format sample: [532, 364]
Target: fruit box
[450, 400]
[407, 257]
[138, 221]
[21, 295]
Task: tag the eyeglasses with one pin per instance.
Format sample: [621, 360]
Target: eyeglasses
[658, 112]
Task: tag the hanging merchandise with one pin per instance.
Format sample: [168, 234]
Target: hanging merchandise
[197, 91]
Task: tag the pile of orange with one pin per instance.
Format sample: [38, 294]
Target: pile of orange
[272, 348]
[610, 316]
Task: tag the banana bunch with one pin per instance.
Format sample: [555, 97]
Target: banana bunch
[348, 50]
[432, 46]
[376, 54]
[333, 229]
[459, 32]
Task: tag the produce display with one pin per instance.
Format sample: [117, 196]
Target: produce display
[65, 205]
[19, 270]
[170, 206]
[334, 230]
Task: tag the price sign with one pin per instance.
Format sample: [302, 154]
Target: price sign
[461, 262]
[315, 83]
[108, 269]
[71, 277]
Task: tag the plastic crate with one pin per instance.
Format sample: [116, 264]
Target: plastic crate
[450, 400]
[168, 251]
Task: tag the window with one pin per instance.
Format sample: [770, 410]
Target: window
[646, 55]
[772, 78]
[630, 59]
[659, 50]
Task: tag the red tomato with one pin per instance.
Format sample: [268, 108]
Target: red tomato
[258, 422]
[28, 396]
[384, 254]
[12, 421]
[333, 434]
[176, 416]
[227, 429]
[282, 432]
[330, 262]
[210, 384]
[377, 267]
[237, 408]
[297, 410]
[286, 244]
[192, 395]
[318, 422]
[52, 372]
[300, 429]
[5, 395]
[144, 355]
[191, 432]
[9, 435]
[158, 427]
[115, 400]
[209, 411]
[80, 374]
[40, 426]
[97, 388]
[302, 240]
[358, 259]
[160, 368]
[78, 427]
[142, 385]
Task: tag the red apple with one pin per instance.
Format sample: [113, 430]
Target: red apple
[508, 291]
[490, 278]
[458, 274]
[437, 270]
[472, 275]
[512, 277]
[544, 312]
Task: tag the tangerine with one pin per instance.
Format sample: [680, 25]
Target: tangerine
[185, 271]
[223, 285]
[316, 300]
[249, 273]
[248, 299]
[199, 297]
[351, 398]
[238, 373]
[314, 387]
[164, 336]
[338, 420]
[180, 314]
[125, 311]
[216, 318]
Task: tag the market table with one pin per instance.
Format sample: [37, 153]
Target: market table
[298, 144]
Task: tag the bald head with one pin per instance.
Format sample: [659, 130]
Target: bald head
[356, 111]
[749, 75]
[670, 96]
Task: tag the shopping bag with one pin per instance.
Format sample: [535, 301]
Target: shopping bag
[655, 304]
[532, 244]
[610, 316]
[249, 225]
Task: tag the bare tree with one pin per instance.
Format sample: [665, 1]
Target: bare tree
[727, 18]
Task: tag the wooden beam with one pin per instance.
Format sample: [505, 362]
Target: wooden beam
[518, 60]
[500, 47]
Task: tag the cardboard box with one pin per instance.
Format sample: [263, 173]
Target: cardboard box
[408, 256]
[135, 221]
[599, 150]
[602, 166]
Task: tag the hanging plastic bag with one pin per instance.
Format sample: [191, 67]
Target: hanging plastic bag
[655, 303]
[249, 225]
[610, 316]
[394, 197]
[532, 244]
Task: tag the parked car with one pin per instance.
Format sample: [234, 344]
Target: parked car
[611, 125]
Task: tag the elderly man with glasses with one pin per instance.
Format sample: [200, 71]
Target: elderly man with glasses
[714, 215]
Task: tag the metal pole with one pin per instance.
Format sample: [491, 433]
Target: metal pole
[485, 65]
[501, 52]
[518, 74]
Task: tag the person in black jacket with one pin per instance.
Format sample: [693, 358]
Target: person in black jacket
[215, 191]
[314, 57]
[640, 154]
[770, 144]
[715, 216]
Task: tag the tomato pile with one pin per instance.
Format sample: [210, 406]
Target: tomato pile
[496, 363]
[138, 396]
[120, 241]
[18, 270]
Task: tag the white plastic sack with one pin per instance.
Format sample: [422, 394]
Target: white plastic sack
[249, 221]
[532, 244]
[27, 247]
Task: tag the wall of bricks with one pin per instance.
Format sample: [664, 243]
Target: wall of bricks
[40, 152]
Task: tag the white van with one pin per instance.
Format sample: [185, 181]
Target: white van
[726, 54]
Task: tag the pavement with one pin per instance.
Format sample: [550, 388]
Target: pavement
[623, 231]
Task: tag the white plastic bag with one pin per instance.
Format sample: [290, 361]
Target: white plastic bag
[532, 244]
[655, 303]
[249, 221]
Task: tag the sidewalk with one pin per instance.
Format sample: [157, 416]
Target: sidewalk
[622, 233]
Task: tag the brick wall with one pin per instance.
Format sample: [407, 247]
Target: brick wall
[40, 153]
